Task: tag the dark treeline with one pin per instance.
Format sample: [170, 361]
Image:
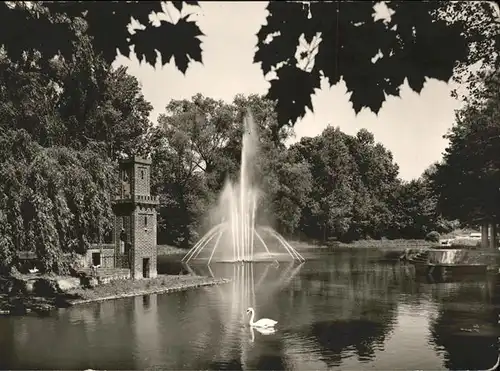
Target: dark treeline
[330, 186]
[67, 116]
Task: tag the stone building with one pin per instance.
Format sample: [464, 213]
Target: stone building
[134, 237]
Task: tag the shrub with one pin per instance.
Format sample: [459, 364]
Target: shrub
[432, 236]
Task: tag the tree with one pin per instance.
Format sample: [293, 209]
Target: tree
[414, 210]
[467, 181]
[287, 185]
[191, 158]
[76, 101]
[333, 185]
[55, 201]
[198, 148]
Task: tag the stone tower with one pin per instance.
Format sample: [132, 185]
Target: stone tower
[135, 219]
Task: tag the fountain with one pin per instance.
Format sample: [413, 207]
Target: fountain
[237, 208]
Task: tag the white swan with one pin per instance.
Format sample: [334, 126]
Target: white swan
[262, 323]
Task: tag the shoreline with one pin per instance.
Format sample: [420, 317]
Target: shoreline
[182, 286]
[24, 303]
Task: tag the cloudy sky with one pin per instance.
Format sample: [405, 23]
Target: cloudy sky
[411, 127]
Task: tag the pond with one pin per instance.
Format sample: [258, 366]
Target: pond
[344, 310]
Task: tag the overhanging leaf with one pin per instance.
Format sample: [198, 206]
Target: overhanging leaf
[419, 41]
[280, 27]
[180, 40]
[292, 90]
[178, 4]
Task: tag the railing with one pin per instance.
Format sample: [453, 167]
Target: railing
[104, 246]
[138, 198]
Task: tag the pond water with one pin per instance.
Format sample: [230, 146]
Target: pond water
[342, 310]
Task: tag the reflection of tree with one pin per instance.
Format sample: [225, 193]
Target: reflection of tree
[362, 335]
[466, 326]
[354, 305]
[30, 341]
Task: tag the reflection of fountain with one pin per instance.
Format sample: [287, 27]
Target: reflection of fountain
[237, 208]
[249, 283]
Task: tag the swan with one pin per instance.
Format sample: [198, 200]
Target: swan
[262, 323]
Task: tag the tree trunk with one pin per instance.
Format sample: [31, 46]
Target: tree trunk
[484, 234]
[493, 235]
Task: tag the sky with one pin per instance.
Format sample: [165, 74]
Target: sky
[410, 126]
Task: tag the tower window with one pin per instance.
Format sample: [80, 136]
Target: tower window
[145, 221]
[142, 174]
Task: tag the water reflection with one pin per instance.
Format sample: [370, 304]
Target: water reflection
[466, 325]
[344, 310]
[262, 331]
[252, 285]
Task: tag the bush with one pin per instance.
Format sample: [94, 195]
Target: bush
[432, 236]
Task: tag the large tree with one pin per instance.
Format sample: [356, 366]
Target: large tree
[198, 147]
[55, 201]
[467, 181]
[74, 101]
[194, 153]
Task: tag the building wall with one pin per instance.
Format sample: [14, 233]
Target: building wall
[107, 256]
[145, 241]
[142, 180]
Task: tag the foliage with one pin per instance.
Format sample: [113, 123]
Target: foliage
[63, 122]
[47, 26]
[467, 181]
[342, 39]
[66, 115]
[192, 151]
[197, 147]
[79, 101]
[432, 236]
[301, 42]
[54, 200]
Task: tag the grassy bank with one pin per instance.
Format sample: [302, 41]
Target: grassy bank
[170, 250]
[389, 244]
[127, 288]
[20, 302]
[381, 244]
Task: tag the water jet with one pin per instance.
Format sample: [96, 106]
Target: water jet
[237, 208]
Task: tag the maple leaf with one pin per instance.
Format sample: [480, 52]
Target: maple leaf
[373, 57]
[24, 30]
[52, 28]
[178, 4]
[292, 89]
[180, 40]
[282, 46]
